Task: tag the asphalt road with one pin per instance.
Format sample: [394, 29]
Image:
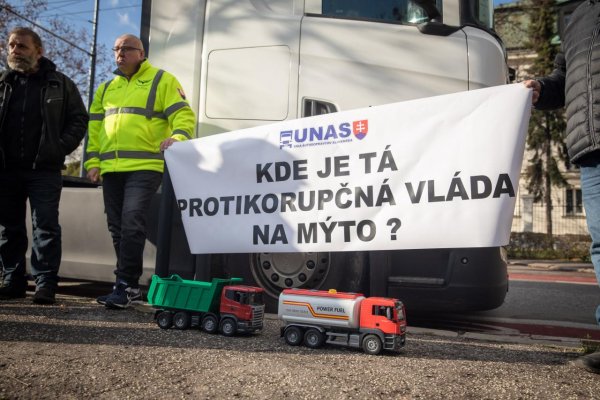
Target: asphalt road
[543, 300]
[77, 349]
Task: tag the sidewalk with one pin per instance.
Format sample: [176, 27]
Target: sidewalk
[553, 265]
[78, 349]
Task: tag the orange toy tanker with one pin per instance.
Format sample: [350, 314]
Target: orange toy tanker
[315, 317]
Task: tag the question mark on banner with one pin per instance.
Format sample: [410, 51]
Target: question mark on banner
[395, 224]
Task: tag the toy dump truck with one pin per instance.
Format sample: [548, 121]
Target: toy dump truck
[220, 305]
[316, 317]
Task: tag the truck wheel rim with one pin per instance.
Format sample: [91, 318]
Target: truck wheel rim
[293, 336]
[312, 339]
[227, 327]
[372, 345]
[277, 271]
[209, 325]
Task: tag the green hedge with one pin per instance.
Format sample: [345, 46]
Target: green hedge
[541, 246]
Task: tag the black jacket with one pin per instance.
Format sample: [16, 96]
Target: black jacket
[575, 81]
[64, 117]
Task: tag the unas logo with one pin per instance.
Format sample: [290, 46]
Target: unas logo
[324, 134]
[145, 82]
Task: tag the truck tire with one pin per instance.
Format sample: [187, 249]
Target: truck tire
[210, 324]
[372, 345]
[344, 271]
[293, 336]
[164, 320]
[228, 327]
[181, 320]
[313, 338]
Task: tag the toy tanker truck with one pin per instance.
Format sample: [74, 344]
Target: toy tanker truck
[317, 317]
[220, 305]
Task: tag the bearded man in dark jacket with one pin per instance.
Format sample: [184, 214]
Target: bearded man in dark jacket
[575, 84]
[42, 119]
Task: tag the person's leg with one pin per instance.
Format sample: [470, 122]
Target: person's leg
[590, 187]
[112, 192]
[139, 188]
[13, 236]
[44, 190]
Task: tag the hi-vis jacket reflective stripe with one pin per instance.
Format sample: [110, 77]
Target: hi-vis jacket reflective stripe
[130, 118]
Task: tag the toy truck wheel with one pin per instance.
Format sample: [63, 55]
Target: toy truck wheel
[228, 327]
[181, 320]
[372, 345]
[293, 336]
[313, 338]
[209, 324]
[164, 320]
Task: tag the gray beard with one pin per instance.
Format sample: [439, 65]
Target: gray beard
[21, 64]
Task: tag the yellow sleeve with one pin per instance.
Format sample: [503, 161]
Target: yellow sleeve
[182, 120]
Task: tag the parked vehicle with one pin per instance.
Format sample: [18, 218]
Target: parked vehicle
[221, 305]
[317, 317]
[248, 63]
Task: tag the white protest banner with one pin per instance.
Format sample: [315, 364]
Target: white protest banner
[438, 172]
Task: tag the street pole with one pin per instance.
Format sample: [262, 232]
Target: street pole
[91, 79]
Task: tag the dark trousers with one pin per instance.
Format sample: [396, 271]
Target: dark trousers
[43, 189]
[127, 197]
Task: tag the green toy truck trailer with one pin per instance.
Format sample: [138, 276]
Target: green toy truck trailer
[220, 305]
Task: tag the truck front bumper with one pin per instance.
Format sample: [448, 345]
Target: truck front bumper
[394, 342]
[245, 326]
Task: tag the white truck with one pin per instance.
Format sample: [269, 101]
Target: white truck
[318, 317]
[245, 63]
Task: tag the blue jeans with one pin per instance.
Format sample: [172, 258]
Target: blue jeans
[127, 197]
[43, 189]
[590, 187]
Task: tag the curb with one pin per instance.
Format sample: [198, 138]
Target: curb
[524, 339]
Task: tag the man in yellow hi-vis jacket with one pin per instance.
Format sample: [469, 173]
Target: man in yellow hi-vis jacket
[134, 117]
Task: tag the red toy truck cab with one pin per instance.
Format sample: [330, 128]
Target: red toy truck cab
[245, 304]
[384, 314]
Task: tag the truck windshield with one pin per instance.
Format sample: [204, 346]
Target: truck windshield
[398, 11]
[256, 299]
[400, 311]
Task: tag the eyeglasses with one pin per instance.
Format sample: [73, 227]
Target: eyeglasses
[125, 49]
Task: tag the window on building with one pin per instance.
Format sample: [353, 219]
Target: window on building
[573, 202]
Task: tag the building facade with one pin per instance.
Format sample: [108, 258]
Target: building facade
[568, 216]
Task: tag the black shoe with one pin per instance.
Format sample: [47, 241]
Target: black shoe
[124, 296]
[44, 295]
[102, 299]
[12, 292]
[590, 362]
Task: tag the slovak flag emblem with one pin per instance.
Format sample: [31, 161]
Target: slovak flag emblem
[360, 128]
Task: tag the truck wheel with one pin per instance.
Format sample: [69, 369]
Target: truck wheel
[313, 338]
[371, 345]
[228, 327]
[164, 320]
[293, 336]
[209, 324]
[181, 320]
[344, 271]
